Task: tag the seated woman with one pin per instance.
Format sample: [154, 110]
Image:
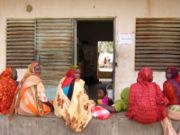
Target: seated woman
[102, 98]
[171, 90]
[7, 89]
[71, 102]
[171, 87]
[121, 104]
[147, 103]
[30, 97]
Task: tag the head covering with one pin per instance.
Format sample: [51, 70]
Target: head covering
[7, 72]
[68, 83]
[70, 75]
[33, 69]
[145, 75]
[178, 78]
[146, 103]
[173, 71]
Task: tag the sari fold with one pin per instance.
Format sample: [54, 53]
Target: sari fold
[146, 103]
[7, 91]
[31, 97]
[77, 111]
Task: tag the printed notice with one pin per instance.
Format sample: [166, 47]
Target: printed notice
[125, 38]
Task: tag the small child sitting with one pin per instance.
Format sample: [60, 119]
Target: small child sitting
[102, 104]
[102, 98]
[121, 104]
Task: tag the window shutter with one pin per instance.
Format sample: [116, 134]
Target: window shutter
[20, 42]
[157, 43]
[55, 48]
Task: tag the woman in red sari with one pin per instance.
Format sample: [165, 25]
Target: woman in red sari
[147, 104]
[7, 89]
[171, 87]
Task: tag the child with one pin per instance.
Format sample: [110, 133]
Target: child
[103, 103]
[102, 98]
[121, 104]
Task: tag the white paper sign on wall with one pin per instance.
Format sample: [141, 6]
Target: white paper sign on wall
[125, 38]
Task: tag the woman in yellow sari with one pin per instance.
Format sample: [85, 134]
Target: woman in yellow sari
[72, 103]
[30, 97]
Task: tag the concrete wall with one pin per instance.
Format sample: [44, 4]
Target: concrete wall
[118, 124]
[125, 12]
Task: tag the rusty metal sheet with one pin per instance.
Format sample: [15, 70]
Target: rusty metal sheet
[54, 40]
[157, 43]
[20, 42]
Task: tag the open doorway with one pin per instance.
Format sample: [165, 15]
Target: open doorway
[95, 54]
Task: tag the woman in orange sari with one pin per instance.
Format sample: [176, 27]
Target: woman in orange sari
[7, 89]
[31, 99]
[72, 103]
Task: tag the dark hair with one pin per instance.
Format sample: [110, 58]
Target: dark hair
[103, 89]
[14, 74]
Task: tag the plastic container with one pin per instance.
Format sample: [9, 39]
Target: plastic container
[110, 92]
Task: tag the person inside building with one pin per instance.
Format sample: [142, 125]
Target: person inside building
[30, 97]
[102, 97]
[7, 89]
[71, 102]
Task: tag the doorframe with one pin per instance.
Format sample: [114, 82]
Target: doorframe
[75, 22]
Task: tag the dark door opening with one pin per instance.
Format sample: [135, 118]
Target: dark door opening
[95, 54]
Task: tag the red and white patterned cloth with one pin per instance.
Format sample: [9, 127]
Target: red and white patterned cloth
[100, 113]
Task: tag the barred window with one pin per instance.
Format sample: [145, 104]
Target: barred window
[49, 41]
[20, 42]
[157, 43]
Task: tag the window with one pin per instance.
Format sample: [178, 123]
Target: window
[20, 42]
[49, 41]
[157, 43]
[54, 41]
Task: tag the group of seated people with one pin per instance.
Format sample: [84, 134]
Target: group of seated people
[144, 101]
